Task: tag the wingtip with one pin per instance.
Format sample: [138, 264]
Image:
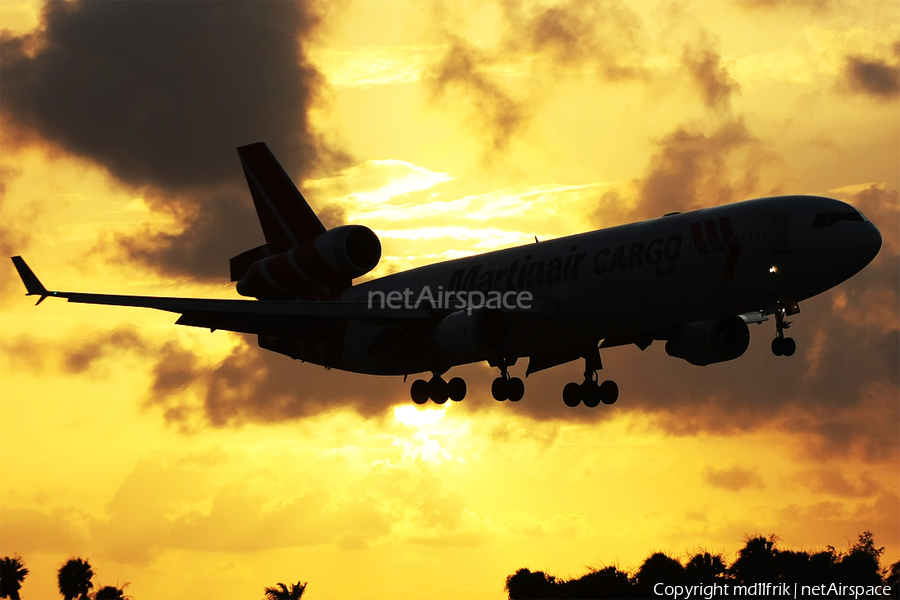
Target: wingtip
[32, 284]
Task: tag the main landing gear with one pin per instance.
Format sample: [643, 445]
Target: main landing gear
[506, 387]
[784, 346]
[591, 392]
[438, 390]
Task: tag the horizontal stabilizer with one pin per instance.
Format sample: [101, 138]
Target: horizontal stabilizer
[32, 283]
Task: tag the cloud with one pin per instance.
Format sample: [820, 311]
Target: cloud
[873, 77]
[693, 169]
[735, 478]
[705, 65]
[160, 94]
[463, 70]
[538, 44]
[604, 36]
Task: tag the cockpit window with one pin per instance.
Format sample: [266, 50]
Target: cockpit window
[828, 219]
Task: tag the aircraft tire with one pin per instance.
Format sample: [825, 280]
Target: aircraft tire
[572, 394]
[788, 346]
[499, 389]
[590, 394]
[515, 388]
[419, 391]
[778, 346]
[437, 389]
[608, 392]
[456, 389]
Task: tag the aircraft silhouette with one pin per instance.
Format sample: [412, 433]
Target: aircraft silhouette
[694, 280]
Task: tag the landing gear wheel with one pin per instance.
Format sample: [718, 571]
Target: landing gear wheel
[609, 392]
[788, 346]
[515, 389]
[778, 346]
[500, 389]
[419, 391]
[437, 389]
[572, 394]
[456, 389]
[590, 394]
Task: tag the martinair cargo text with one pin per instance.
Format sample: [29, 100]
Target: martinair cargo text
[695, 280]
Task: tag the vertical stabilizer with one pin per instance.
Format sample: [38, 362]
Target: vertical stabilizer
[286, 218]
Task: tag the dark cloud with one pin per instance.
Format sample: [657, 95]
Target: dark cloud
[254, 385]
[693, 169]
[813, 6]
[161, 94]
[464, 68]
[82, 357]
[704, 63]
[542, 42]
[832, 481]
[219, 226]
[606, 36]
[735, 478]
[877, 78]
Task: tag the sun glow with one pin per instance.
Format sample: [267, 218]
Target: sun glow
[413, 416]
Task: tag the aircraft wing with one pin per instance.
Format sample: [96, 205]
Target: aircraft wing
[266, 317]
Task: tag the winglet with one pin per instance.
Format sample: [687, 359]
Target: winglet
[32, 283]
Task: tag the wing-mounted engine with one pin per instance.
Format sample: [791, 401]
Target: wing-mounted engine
[321, 268]
[465, 337]
[707, 342]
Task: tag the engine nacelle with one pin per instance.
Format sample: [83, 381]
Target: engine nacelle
[707, 342]
[465, 337]
[318, 269]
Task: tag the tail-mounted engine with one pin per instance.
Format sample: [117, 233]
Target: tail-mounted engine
[706, 342]
[315, 270]
[465, 337]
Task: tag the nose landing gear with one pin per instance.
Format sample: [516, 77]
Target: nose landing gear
[591, 391]
[781, 345]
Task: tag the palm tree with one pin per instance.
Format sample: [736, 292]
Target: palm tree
[12, 573]
[111, 592]
[75, 579]
[704, 567]
[283, 592]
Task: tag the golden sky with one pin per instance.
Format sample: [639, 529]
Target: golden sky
[195, 465]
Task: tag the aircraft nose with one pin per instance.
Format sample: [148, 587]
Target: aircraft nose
[869, 242]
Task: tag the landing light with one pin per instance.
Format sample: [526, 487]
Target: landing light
[773, 269]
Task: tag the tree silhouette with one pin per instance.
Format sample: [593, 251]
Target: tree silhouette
[110, 592]
[861, 566]
[893, 579]
[283, 592]
[704, 567]
[759, 561]
[12, 573]
[525, 585]
[756, 561]
[658, 568]
[608, 582]
[75, 579]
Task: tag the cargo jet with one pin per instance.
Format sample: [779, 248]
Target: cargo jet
[694, 280]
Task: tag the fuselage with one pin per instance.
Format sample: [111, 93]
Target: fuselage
[645, 277]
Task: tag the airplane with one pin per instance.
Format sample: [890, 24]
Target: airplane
[695, 280]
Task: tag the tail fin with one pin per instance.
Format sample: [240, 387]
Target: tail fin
[286, 218]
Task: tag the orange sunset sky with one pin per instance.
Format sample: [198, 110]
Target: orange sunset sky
[195, 465]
